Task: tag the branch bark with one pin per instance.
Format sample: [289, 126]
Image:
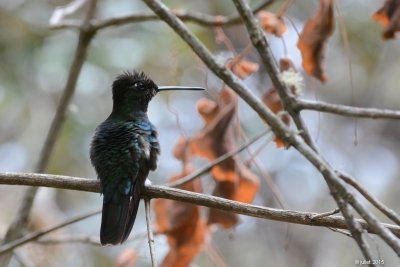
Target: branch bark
[199, 18]
[337, 186]
[343, 110]
[153, 191]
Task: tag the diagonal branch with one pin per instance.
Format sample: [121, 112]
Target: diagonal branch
[260, 42]
[33, 236]
[91, 185]
[279, 128]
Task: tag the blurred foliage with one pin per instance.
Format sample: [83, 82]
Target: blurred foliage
[35, 61]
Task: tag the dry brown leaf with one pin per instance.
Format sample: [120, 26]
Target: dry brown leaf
[127, 258]
[171, 215]
[286, 63]
[216, 216]
[313, 40]
[186, 232]
[218, 137]
[272, 23]
[207, 109]
[183, 255]
[389, 17]
[249, 185]
[273, 101]
[244, 191]
[243, 68]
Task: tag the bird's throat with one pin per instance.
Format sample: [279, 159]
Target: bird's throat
[130, 110]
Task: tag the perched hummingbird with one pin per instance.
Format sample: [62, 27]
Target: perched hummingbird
[123, 151]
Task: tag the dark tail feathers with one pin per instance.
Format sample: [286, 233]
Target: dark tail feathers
[118, 218]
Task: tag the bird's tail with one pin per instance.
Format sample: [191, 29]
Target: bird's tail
[119, 214]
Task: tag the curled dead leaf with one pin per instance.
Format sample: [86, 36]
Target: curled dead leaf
[249, 184]
[207, 109]
[219, 136]
[182, 254]
[243, 189]
[389, 17]
[186, 232]
[243, 68]
[272, 23]
[226, 189]
[313, 40]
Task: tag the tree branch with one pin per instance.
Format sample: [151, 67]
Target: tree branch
[150, 236]
[33, 236]
[358, 112]
[199, 18]
[21, 220]
[274, 121]
[338, 189]
[391, 214]
[153, 191]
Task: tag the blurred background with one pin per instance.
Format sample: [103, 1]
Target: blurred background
[34, 64]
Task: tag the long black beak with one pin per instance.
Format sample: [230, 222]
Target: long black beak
[170, 88]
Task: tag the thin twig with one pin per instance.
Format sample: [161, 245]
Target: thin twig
[150, 236]
[263, 173]
[324, 214]
[215, 162]
[391, 214]
[354, 227]
[340, 232]
[337, 188]
[35, 235]
[343, 110]
[91, 185]
[84, 239]
[199, 18]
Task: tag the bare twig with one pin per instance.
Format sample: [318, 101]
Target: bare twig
[338, 190]
[150, 236]
[215, 162]
[201, 19]
[391, 214]
[343, 232]
[354, 227]
[21, 220]
[33, 236]
[91, 185]
[266, 114]
[84, 239]
[343, 110]
[324, 214]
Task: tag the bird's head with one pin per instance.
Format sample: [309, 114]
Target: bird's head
[133, 87]
[137, 89]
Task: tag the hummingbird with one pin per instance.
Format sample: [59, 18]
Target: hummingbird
[123, 151]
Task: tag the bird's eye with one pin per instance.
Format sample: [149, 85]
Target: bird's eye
[137, 85]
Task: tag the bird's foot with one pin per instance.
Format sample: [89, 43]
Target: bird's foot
[147, 182]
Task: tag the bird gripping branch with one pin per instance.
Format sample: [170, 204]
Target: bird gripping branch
[123, 151]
